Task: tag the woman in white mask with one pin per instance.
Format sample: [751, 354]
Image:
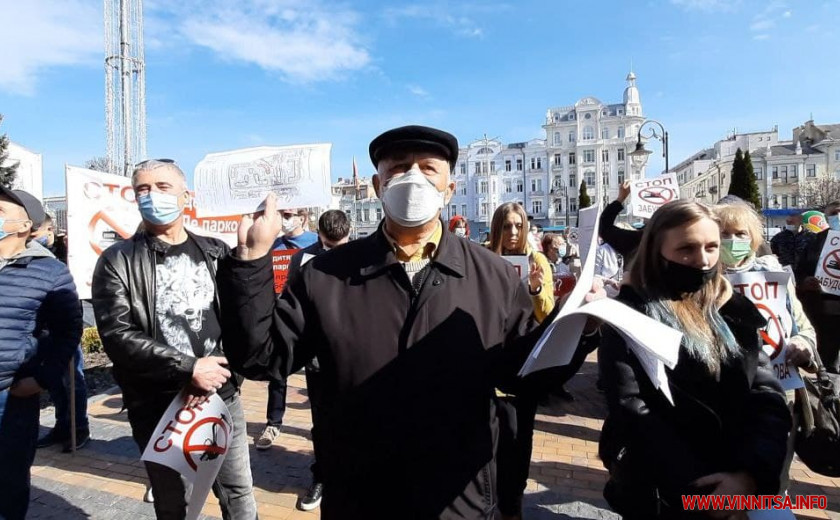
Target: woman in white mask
[459, 226]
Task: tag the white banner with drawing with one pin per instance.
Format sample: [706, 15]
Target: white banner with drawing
[648, 195]
[768, 291]
[236, 182]
[828, 267]
[193, 442]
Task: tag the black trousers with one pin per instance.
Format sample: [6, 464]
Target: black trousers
[276, 408]
[314, 388]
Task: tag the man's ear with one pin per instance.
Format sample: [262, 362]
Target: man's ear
[450, 191]
[377, 185]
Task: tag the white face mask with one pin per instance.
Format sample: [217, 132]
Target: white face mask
[290, 224]
[461, 232]
[791, 227]
[411, 199]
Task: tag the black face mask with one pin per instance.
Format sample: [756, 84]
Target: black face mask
[681, 278]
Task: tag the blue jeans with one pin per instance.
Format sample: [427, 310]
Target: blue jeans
[18, 439]
[233, 486]
[60, 395]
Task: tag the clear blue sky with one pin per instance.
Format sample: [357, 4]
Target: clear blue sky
[224, 75]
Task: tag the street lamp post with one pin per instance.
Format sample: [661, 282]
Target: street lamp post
[640, 155]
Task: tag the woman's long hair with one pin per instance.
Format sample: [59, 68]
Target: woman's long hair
[706, 336]
[498, 223]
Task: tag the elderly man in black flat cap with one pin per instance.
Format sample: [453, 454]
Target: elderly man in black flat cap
[413, 328]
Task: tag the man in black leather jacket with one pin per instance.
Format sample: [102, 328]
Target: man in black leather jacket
[157, 310]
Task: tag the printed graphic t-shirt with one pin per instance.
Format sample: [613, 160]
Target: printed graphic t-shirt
[184, 300]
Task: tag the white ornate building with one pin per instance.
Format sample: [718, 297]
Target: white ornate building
[588, 141]
[358, 199]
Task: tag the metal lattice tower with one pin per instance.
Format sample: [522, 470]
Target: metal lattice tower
[125, 85]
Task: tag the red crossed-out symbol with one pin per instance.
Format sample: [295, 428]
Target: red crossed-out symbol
[656, 195]
[773, 334]
[213, 448]
[831, 264]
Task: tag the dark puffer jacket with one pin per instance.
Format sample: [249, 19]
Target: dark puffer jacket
[654, 450]
[37, 294]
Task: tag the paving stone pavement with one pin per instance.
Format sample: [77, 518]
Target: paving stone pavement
[106, 480]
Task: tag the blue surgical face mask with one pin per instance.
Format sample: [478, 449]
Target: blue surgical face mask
[3, 232]
[44, 240]
[833, 222]
[159, 208]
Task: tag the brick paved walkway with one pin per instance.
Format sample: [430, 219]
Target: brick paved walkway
[106, 481]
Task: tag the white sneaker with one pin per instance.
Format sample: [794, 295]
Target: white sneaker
[148, 497]
[267, 437]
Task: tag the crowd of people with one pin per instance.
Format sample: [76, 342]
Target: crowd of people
[411, 340]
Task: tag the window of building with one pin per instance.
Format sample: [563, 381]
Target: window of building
[605, 132]
[759, 173]
[477, 167]
[358, 215]
[533, 163]
[519, 165]
[572, 159]
[605, 179]
[784, 201]
[536, 185]
[558, 140]
[536, 206]
[463, 210]
[587, 116]
[558, 206]
[573, 203]
[775, 171]
[453, 210]
[620, 111]
[508, 186]
[621, 176]
[783, 172]
[794, 171]
[571, 116]
[573, 180]
[589, 156]
[620, 155]
[837, 155]
[507, 165]
[558, 160]
[519, 186]
[620, 131]
[463, 168]
[482, 187]
[571, 136]
[588, 133]
[605, 155]
[811, 170]
[589, 177]
[484, 208]
[379, 213]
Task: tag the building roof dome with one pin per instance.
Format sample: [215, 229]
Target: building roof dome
[631, 93]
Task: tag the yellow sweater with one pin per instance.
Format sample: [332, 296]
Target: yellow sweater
[544, 301]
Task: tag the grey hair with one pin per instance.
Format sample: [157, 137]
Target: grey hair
[154, 164]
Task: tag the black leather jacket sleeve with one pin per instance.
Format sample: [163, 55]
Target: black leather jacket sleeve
[262, 333]
[126, 341]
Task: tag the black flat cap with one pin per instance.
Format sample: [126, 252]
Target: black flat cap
[414, 138]
[33, 207]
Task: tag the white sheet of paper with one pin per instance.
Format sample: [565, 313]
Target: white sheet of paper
[520, 263]
[768, 291]
[647, 195]
[236, 182]
[194, 443]
[828, 267]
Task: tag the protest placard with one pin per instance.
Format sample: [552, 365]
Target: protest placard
[768, 291]
[193, 442]
[828, 267]
[236, 182]
[648, 195]
[101, 211]
[280, 261]
[520, 263]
